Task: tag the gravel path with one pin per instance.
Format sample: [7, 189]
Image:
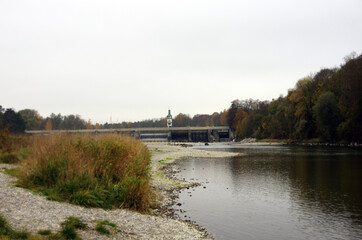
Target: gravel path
[26, 210]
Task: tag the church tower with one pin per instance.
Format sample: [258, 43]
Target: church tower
[169, 119]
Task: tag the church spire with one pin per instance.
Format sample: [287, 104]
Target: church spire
[169, 118]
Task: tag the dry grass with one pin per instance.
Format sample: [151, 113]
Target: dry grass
[13, 148]
[91, 170]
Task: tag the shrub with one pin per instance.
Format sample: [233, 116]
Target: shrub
[94, 171]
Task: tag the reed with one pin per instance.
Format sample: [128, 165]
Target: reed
[107, 171]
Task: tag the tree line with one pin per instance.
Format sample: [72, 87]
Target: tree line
[180, 120]
[326, 105]
[29, 119]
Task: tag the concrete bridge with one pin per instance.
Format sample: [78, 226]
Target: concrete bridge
[182, 134]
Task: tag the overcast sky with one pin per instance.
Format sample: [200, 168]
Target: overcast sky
[132, 60]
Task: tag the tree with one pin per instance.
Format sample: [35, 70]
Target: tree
[223, 118]
[13, 121]
[48, 124]
[231, 114]
[348, 88]
[326, 113]
[2, 110]
[57, 121]
[181, 120]
[301, 98]
[32, 119]
[241, 124]
[89, 125]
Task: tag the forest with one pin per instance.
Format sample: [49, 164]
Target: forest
[326, 106]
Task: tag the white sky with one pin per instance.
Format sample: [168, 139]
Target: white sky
[132, 60]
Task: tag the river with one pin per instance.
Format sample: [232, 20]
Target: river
[275, 192]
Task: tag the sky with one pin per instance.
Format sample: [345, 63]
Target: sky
[114, 61]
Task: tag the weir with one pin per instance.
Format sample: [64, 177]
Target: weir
[179, 134]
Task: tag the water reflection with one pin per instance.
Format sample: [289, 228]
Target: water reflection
[277, 193]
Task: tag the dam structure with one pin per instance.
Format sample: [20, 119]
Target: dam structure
[175, 134]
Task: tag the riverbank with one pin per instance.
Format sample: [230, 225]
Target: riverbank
[26, 210]
[165, 154]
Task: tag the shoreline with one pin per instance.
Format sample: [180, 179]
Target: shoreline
[164, 157]
[26, 210]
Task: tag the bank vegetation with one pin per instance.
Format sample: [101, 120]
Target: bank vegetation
[106, 171]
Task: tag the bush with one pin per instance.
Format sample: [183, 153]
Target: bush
[105, 171]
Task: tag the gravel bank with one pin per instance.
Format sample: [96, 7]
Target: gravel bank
[26, 210]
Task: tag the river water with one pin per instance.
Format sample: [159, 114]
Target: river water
[275, 192]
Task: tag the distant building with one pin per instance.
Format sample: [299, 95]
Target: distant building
[169, 119]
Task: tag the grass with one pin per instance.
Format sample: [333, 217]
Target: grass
[6, 231]
[13, 148]
[107, 171]
[164, 160]
[103, 227]
[69, 228]
[68, 231]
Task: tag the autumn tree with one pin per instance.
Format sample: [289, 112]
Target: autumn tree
[241, 123]
[48, 125]
[89, 125]
[301, 100]
[223, 118]
[181, 120]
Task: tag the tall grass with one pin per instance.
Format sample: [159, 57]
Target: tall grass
[108, 171]
[13, 148]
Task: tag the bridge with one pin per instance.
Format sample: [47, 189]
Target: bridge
[182, 134]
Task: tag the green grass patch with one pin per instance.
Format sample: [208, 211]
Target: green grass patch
[70, 226]
[76, 222]
[14, 156]
[14, 172]
[68, 231]
[104, 227]
[107, 171]
[164, 160]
